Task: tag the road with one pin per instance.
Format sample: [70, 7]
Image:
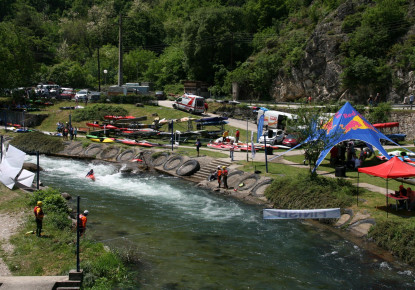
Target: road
[232, 122]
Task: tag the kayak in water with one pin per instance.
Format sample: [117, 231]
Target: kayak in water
[91, 175]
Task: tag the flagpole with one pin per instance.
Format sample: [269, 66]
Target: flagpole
[247, 160]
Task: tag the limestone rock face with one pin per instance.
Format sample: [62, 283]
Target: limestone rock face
[319, 73]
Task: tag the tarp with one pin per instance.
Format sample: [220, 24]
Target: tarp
[394, 168]
[26, 178]
[328, 213]
[11, 165]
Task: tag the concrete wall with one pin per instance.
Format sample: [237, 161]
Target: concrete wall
[406, 124]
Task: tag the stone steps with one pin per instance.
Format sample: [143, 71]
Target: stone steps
[205, 171]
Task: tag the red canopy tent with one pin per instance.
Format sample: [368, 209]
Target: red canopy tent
[393, 168]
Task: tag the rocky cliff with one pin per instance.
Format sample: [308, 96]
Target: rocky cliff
[319, 73]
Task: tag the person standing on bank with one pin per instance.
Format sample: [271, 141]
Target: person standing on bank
[219, 176]
[39, 218]
[225, 177]
[198, 145]
[231, 150]
[82, 222]
[237, 136]
[411, 100]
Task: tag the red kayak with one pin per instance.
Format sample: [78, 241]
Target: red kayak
[109, 117]
[91, 176]
[109, 127]
[93, 125]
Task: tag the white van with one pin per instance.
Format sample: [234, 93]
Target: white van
[275, 119]
[190, 103]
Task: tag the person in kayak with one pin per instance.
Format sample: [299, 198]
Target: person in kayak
[90, 173]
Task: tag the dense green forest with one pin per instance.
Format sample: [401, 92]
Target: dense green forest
[217, 41]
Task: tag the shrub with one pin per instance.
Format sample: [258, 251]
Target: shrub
[36, 141]
[52, 200]
[309, 191]
[105, 271]
[395, 237]
[97, 112]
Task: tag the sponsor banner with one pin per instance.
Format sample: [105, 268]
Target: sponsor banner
[329, 213]
[260, 127]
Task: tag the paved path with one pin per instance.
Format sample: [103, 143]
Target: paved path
[232, 122]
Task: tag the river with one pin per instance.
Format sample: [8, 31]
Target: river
[190, 238]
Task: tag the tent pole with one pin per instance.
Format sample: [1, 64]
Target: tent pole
[387, 199]
[357, 195]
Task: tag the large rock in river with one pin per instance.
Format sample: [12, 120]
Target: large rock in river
[31, 167]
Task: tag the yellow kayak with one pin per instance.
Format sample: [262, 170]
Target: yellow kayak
[102, 140]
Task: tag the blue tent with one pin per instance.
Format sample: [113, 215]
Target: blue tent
[348, 124]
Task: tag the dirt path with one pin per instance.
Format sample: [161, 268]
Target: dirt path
[9, 225]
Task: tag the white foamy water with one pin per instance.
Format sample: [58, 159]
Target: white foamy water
[143, 187]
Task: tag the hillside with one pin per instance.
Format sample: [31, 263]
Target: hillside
[283, 50]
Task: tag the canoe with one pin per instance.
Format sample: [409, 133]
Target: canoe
[103, 140]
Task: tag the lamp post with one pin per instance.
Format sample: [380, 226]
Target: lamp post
[105, 76]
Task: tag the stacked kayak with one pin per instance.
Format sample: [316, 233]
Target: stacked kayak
[102, 140]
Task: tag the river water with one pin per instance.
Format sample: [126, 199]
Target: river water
[190, 238]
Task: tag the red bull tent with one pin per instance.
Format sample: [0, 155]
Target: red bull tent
[349, 124]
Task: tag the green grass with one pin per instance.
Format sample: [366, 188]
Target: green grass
[54, 253]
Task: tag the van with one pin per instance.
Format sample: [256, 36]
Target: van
[275, 119]
[190, 103]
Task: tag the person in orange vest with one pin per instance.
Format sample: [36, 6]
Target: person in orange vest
[225, 177]
[39, 218]
[219, 176]
[83, 220]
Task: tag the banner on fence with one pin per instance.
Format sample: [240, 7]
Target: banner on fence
[329, 213]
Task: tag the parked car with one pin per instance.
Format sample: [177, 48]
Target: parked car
[81, 95]
[277, 137]
[160, 95]
[67, 94]
[290, 140]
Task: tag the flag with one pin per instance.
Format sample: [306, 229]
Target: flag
[252, 144]
[260, 127]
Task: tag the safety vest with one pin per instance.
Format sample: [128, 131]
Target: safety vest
[225, 172]
[83, 220]
[219, 172]
[38, 212]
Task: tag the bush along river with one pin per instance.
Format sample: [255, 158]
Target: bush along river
[190, 238]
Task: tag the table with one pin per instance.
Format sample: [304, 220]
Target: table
[399, 198]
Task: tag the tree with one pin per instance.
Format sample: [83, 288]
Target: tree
[210, 38]
[136, 64]
[311, 126]
[17, 62]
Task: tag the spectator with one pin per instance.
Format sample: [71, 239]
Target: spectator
[38, 217]
[411, 100]
[334, 152]
[370, 100]
[198, 145]
[237, 136]
[206, 107]
[82, 225]
[231, 150]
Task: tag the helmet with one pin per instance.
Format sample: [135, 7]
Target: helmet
[39, 203]
[223, 167]
[86, 212]
[218, 167]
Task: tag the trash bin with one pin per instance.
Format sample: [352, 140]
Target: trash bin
[269, 151]
[340, 171]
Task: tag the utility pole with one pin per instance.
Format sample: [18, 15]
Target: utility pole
[99, 72]
[120, 76]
